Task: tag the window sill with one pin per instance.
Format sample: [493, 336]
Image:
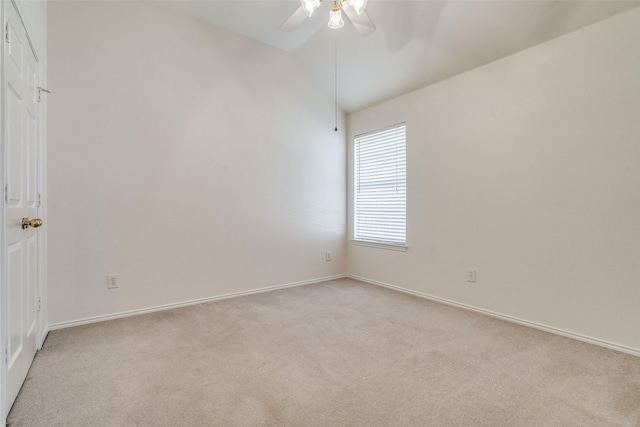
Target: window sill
[390, 247]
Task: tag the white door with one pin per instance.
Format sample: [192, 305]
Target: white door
[21, 201]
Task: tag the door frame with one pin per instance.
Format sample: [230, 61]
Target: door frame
[42, 327]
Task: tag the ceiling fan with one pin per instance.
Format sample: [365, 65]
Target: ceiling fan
[354, 9]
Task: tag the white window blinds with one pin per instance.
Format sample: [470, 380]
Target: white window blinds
[381, 186]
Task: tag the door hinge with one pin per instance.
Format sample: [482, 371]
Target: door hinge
[6, 193]
[7, 33]
[39, 200]
[6, 355]
[39, 304]
[40, 90]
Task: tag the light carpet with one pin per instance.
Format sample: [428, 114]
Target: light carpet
[338, 353]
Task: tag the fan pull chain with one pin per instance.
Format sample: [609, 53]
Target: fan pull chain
[335, 96]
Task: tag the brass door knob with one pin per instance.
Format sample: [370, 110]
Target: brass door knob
[35, 223]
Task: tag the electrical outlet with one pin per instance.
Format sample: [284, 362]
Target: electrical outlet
[112, 281]
[471, 275]
[328, 256]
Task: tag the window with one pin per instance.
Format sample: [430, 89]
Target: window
[380, 211]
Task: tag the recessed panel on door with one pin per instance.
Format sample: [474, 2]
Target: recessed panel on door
[15, 145]
[32, 283]
[32, 160]
[15, 297]
[15, 48]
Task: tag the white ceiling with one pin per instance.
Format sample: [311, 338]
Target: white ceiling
[417, 43]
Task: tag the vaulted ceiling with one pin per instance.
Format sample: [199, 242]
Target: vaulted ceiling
[417, 43]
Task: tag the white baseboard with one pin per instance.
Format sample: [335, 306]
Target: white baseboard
[557, 331]
[573, 335]
[88, 320]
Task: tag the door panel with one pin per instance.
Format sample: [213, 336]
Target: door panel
[31, 172]
[22, 178]
[15, 136]
[15, 270]
[16, 47]
[31, 287]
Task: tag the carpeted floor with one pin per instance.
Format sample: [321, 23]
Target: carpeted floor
[338, 353]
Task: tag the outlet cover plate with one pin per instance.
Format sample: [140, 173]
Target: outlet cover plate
[471, 275]
[112, 281]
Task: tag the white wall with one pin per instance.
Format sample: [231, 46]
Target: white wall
[191, 161]
[527, 169]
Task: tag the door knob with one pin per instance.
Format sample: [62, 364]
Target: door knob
[35, 222]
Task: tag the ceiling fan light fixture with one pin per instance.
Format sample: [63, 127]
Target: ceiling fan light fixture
[335, 18]
[358, 5]
[310, 6]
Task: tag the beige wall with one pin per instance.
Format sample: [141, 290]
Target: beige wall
[195, 162]
[191, 161]
[528, 170]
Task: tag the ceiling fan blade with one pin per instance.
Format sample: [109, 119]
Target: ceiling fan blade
[362, 22]
[294, 20]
